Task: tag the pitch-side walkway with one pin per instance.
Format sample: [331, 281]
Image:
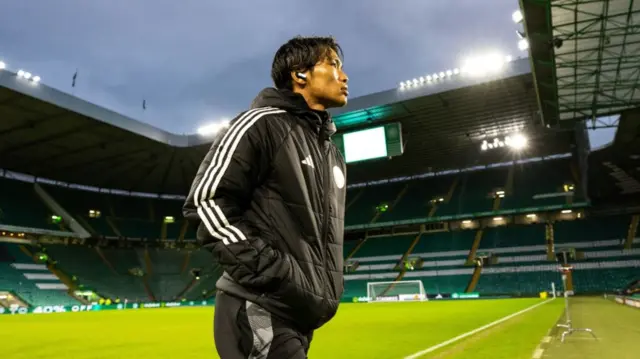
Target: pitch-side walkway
[616, 326]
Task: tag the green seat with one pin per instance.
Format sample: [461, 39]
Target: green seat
[21, 206]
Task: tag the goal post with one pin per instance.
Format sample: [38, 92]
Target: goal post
[396, 291]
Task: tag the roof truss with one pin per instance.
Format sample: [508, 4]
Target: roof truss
[596, 60]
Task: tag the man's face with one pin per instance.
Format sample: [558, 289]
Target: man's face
[327, 82]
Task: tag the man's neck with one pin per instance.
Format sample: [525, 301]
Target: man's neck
[314, 105]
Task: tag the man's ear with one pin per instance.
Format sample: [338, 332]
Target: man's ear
[299, 77]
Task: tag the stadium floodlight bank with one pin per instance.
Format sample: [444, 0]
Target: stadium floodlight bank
[402, 291]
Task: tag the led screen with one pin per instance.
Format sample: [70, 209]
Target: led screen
[365, 145]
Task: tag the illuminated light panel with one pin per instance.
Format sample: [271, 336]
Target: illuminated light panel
[516, 141]
[27, 76]
[517, 16]
[484, 65]
[523, 44]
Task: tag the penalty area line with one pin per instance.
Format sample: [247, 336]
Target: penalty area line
[462, 336]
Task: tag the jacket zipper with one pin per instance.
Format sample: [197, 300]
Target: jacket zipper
[326, 189]
[326, 148]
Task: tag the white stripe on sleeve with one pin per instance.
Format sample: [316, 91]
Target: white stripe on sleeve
[210, 213]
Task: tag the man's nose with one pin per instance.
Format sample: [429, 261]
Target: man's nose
[344, 78]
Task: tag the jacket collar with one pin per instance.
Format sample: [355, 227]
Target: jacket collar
[320, 121]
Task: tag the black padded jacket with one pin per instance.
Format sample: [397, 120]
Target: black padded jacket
[269, 201]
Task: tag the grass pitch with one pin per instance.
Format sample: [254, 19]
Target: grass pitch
[378, 330]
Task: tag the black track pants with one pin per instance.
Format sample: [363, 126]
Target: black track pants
[243, 330]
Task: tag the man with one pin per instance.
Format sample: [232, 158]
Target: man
[269, 201]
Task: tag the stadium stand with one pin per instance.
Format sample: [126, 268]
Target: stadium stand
[20, 206]
[137, 274]
[33, 282]
[522, 266]
[106, 214]
[466, 193]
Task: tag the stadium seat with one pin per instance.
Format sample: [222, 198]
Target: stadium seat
[521, 266]
[591, 229]
[416, 202]
[537, 178]
[26, 279]
[365, 207]
[474, 192]
[21, 206]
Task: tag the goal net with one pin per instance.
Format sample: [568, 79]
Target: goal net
[401, 291]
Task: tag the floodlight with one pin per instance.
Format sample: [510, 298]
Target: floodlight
[517, 16]
[2, 65]
[498, 219]
[508, 58]
[566, 211]
[523, 44]
[483, 65]
[518, 141]
[36, 79]
[476, 66]
[20, 73]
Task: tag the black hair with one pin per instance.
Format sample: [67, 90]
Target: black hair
[300, 54]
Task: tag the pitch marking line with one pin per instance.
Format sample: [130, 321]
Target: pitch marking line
[462, 336]
[538, 353]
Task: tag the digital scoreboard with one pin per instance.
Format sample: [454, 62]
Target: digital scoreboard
[370, 143]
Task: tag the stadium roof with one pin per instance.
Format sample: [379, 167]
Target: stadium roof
[445, 124]
[585, 56]
[50, 134]
[614, 171]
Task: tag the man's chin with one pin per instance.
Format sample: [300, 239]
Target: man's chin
[340, 102]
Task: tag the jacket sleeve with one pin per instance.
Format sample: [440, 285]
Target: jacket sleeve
[222, 191]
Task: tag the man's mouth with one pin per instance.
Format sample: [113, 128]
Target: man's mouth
[345, 91]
